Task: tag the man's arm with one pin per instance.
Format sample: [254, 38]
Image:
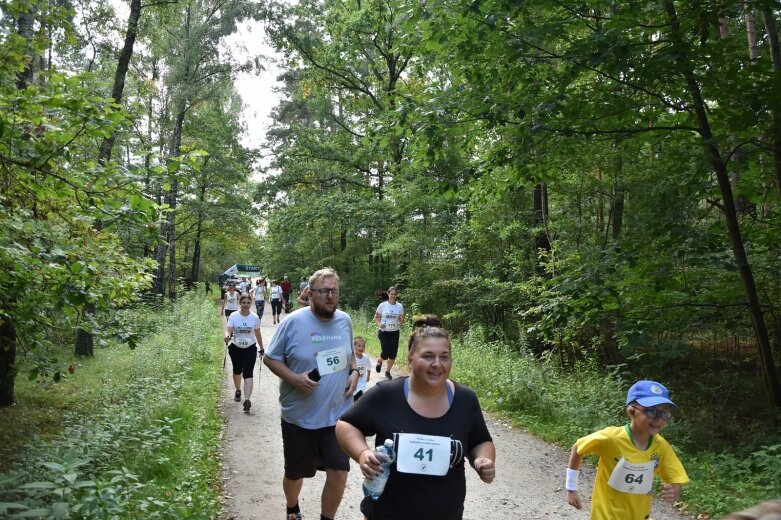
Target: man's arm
[299, 381]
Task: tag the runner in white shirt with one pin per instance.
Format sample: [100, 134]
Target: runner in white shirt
[275, 295]
[244, 343]
[389, 319]
[230, 302]
[259, 295]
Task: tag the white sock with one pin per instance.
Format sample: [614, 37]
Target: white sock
[248, 384]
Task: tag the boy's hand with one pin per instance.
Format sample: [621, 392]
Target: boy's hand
[671, 492]
[573, 499]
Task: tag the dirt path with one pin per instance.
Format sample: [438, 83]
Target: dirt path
[529, 472]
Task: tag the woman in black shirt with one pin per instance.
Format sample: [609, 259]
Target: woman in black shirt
[434, 424]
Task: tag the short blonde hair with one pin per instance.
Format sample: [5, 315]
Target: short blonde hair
[325, 272]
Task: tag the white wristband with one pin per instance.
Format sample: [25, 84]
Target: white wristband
[572, 479]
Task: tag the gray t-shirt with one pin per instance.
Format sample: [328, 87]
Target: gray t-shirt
[298, 342]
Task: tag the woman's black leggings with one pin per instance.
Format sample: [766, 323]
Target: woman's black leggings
[276, 306]
[243, 359]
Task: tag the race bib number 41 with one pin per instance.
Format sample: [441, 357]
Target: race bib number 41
[423, 454]
[330, 361]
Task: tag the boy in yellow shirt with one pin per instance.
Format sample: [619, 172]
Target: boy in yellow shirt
[629, 458]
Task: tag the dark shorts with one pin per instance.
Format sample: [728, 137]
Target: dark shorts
[306, 451]
[228, 312]
[243, 359]
[389, 342]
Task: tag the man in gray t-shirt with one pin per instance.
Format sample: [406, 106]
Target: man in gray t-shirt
[311, 353]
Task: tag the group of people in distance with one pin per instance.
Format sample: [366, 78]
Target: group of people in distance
[436, 424]
[276, 293]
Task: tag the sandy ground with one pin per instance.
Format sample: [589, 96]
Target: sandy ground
[529, 472]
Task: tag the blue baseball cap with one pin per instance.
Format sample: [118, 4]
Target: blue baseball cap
[649, 393]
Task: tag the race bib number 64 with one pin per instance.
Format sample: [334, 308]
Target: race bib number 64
[636, 479]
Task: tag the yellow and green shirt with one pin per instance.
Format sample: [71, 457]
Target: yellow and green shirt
[610, 445]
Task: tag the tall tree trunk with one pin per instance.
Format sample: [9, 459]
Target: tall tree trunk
[85, 340]
[172, 197]
[195, 266]
[25, 25]
[148, 155]
[7, 360]
[775, 57]
[160, 253]
[769, 374]
[541, 241]
[617, 208]
[8, 344]
[123, 64]
[173, 194]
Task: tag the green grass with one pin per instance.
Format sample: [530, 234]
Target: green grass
[132, 433]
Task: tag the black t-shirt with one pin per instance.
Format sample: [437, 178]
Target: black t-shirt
[383, 411]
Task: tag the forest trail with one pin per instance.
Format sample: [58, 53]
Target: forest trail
[529, 472]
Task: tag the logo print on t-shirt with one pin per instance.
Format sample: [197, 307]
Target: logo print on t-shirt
[319, 337]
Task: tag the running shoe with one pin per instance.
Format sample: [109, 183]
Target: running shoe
[295, 516]
[247, 404]
[388, 376]
[237, 397]
[378, 368]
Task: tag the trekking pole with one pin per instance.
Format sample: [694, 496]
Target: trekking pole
[226, 354]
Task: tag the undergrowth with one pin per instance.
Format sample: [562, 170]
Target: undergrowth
[141, 443]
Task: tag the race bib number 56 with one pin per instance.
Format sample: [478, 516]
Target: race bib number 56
[330, 361]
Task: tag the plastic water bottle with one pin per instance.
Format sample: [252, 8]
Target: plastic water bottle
[374, 487]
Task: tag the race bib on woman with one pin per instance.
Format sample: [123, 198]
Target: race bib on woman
[423, 454]
[242, 342]
[628, 477]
